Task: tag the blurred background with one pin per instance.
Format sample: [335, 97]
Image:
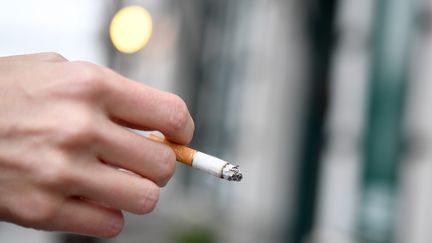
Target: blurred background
[324, 104]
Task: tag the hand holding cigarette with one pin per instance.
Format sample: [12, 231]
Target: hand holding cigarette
[202, 161]
[65, 152]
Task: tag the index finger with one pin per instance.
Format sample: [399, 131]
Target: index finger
[140, 106]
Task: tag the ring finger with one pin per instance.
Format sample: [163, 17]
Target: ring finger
[102, 183]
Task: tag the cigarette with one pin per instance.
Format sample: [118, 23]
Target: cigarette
[202, 161]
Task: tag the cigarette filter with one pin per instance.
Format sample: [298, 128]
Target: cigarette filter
[202, 161]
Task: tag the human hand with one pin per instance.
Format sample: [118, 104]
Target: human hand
[62, 140]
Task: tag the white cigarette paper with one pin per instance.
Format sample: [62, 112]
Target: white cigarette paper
[202, 161]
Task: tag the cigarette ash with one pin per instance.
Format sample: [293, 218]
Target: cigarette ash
[231, 172]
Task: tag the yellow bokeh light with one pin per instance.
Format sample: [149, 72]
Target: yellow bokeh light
[130, 29]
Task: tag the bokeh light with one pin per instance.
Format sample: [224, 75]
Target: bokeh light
[131, 28]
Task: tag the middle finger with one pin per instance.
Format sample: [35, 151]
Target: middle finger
[123, 148]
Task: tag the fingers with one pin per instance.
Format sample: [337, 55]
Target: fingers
[88, 218]
[43, 56]
[142, 106]
[131, 103]
[153, 109]
[125, 149]
[102, 183]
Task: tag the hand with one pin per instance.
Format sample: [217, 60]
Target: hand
[63, 138]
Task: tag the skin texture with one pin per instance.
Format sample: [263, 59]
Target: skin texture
[63, 138]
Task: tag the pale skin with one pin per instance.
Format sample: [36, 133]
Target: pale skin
[64, 136]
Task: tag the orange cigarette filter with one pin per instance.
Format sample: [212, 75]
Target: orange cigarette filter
[202, 161]
[183, 154]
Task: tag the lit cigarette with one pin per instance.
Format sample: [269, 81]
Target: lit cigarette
[202, 161]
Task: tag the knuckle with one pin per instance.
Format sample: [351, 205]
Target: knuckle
[115, 228]
[56, 175]
[149, 199]
[167, 155]
[86, 78]
[82, 129]
[85, 71]
[189, 135]
[179, 113]
[167, 166]
[53, 56]
[78, 129]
